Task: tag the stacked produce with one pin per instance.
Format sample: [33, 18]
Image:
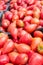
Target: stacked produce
[21, 32]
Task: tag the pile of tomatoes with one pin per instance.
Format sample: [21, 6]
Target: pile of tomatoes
[21, 32]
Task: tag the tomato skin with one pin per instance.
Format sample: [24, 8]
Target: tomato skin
[36, 12]
[20, 23]
[12, 56]
[35, 21]
[21, 32]
[38, 34]
[30, 53]
[40, 48]
[12, 25]
[41, 14]
[3, 39]
[30, 27]
[41, 22]
[35, 42]
[15, 18]
[1, 28]
[8, 47]
[8, 15]
[29, 13]
[9, 64]
[27, 38]
[21, 59]
[36, 59]
[22, 48]
[27, 19]
[5, 23]
[4, 59]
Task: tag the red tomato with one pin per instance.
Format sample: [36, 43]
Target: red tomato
[41, 22]
[3, 39]
[9, 64]
[35, 42]
[22, 48]
[21, 59]
[12, 25]
[13, 56]
[35, 21]
[40, 48]
[41, 13]
[27, 19]
[36, 12]
[36, 59]
[4, 59]
[8, 15]
[27, 38]
[1, 28]
[30, 27]
[8, 47]
[15, 18]
[38, 34]
[5, 23]
[20, 23]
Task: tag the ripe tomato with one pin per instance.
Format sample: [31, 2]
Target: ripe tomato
[3, 39]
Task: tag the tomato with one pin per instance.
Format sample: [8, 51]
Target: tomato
[40, 48]
[36, 12]
[8, 47]
[4, 59]
[35, 42]
[15, 18]
[12, 25]
[9, 64]
[35, 21]
[41, 22]
[29, 13]
[30, 27]
[36, 59]
[22, 48]
[13, 56]
[27, 19]
[21, 59]
[5, 23]
[20, 23]
[41, 13]
[1, 28]
[8, 15]
[27, 38]
[38, 34]
[3, 39]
